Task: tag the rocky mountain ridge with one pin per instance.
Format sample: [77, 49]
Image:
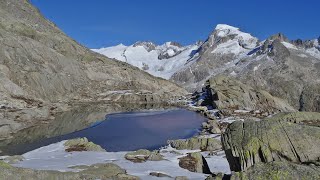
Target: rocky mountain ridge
[274, 65]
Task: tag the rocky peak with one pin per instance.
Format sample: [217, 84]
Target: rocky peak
[148, 45]
[175, 44]
[279, 36]
[298, 42]
[273, 48]
[307, 43]
[199, 43]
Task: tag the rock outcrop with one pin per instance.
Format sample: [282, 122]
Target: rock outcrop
[228, 93]
[287, 137]
[194, 162]
[195, 143]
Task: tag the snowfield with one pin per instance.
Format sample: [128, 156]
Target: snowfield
[161, 61]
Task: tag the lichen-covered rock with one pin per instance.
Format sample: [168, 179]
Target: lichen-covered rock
[82, 144]
[97, 171]
[155, 156]
[281, 138]
[194, 162]
[278, 171]
[14, 159]
[138, 156]
[202, 143]
[307, 118]
[228, 93]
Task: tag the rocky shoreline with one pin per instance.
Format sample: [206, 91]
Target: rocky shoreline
[257, 150]
[246, 143]
[253, 99]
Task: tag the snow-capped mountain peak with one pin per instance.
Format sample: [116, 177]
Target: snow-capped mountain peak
[158, 60]
[229, 39]
[225, 30]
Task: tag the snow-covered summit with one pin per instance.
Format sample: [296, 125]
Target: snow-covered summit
[229, 39]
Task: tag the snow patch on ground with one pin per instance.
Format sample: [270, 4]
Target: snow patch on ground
[256, 67]
[229, 47]
[230, 120]
[289, 45]
[314, 52]
[302, 55]
[54, 157]
[241, 111]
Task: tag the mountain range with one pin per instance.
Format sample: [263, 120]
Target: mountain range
[286, 68]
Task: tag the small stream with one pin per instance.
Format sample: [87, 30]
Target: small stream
[128, 131]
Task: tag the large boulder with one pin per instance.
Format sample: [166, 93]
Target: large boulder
[195, 162]
[293, 137]
[202, 143]
[138, 156]
[228, 93]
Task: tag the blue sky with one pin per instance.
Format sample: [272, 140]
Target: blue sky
[100, 23]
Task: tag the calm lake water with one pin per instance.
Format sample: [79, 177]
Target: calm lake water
[131, 131]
